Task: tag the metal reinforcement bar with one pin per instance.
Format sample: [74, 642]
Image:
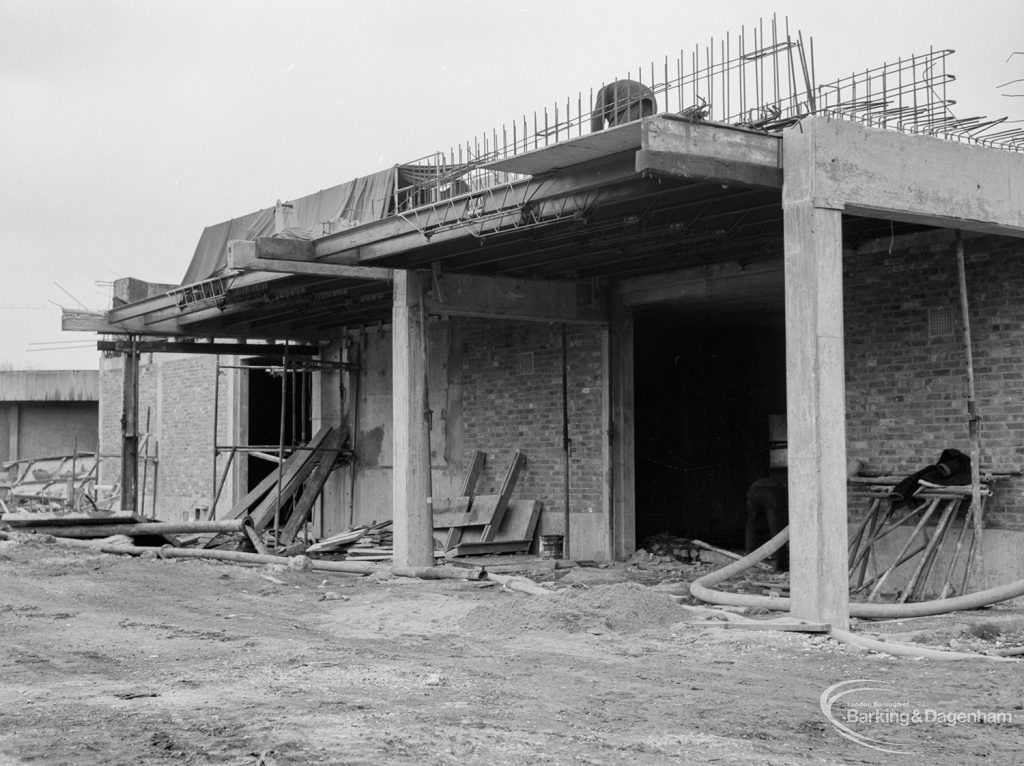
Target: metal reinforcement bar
[762, 77]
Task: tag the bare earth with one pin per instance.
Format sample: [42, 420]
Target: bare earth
[111, 660]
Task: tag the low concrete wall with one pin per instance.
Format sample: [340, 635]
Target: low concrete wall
[1000, 561]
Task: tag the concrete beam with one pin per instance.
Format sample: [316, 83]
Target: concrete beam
[508, 298]
[731, 281]
[413, 519]
[917, 179]
[197, 347]
[269, 254]
[707, 152]
[72, 320]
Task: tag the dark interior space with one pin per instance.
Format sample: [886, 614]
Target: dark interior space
[265, 416]
[707, 385]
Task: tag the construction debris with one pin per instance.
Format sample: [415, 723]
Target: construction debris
[52, 485]
[284, 499]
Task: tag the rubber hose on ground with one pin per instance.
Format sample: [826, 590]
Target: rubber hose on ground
[703, 589]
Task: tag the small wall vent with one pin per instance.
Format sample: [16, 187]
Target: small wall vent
[940, 322]
[526, 363]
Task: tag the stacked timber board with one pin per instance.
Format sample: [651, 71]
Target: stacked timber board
[477, 524]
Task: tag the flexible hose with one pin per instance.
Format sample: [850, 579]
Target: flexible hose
[703, 589]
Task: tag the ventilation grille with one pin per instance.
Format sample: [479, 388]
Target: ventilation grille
[940, 322]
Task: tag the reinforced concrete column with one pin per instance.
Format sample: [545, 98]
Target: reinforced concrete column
[413, 517]
[816, 411]
[14, 433]
[623, 441]
[815, 392]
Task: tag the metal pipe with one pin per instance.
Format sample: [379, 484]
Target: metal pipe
[216, 415]
[440, 573]
[427, 412]
[140, 529]
[973, 418]
[280, 454]
[566, 441]
[145, 470]
[220, 486]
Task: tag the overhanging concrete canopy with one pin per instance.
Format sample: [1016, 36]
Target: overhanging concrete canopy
[708, 152]
[917, 179]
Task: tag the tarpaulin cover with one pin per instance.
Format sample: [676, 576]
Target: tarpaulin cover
[329, 210]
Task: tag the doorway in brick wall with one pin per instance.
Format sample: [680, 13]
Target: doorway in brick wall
[709, 387]
[269, 423]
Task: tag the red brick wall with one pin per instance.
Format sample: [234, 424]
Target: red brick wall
[906, 387]
[506, 405]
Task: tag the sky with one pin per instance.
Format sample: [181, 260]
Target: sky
[127, 126]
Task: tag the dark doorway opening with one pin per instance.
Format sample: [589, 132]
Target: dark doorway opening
[707, 387]
[265, 421]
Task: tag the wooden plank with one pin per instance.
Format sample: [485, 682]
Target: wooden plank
[317, 479]
[457, 517]
[504, 495]
[291, 480]
[476, 549]
[795, 626]
[520, 521]
[902, 556]
[256, 538]
[258, 492]
[476, 468]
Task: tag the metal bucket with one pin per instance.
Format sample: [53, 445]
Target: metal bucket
[551, 546]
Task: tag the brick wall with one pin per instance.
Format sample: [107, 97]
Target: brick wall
[906, 375]
[178, 393]
[511, 375]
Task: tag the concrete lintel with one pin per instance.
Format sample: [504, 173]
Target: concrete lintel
[896, 176]
[509, 298]
[703, 282]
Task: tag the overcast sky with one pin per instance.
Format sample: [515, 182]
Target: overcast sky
[126, 126]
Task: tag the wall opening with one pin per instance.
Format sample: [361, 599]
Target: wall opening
[265, 394]
[710, 390]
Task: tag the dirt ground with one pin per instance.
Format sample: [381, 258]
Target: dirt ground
[113, 660]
